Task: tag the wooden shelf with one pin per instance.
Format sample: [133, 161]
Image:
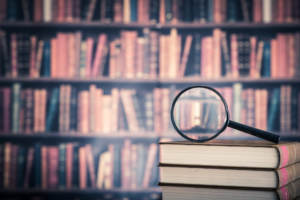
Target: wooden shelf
[156, 81]
[181, 25]
[82, 138]
[80, 192]
[146, 137]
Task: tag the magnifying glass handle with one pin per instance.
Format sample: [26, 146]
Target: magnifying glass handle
[254, 131]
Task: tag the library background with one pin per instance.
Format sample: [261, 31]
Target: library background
[86, 86]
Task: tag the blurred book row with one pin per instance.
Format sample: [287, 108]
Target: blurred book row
[98, 110]
[150, 54]
[72, 165]
[145, 11]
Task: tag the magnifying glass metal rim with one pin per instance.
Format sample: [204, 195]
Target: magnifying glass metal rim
[180, 132]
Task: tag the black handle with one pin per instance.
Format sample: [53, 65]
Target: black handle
[254, 131]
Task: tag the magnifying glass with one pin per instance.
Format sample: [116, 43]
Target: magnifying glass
[200, 113]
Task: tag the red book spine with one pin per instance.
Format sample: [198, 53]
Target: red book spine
[89, 54]
[44, 167]
[234, 56]
[3, 9]
[14, 56]
[7, 165]
[82, 168]
[38, 10]
[118, 11]
[280, 11]
[253, 41]
[99, 55]
[60, 10]
[216, 72]
[217, 11]
[69, 165]
[7, 111]
[69, 13]
[29, 163]
[53, 155]
[257, 11]
[90, 164]
[13, 166]
[274, 58]
[54, 65]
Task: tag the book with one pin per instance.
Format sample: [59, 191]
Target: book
[249, 154]
[229, 177]
[175, 192]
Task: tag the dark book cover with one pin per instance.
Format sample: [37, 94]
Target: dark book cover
[1, 165]
[46, 65]
[203, 10]
[196, 10]
[52, 110]
[232, 10]
[75, 172]
[13, 165]
[117, 166]
[266, 62]
[4, 58]
[188, 11]
[109, 11]
[37, 166]
[21, 166]
[210, 10]
[23, 54]
[2, 110]
[294, 109]
[133, 10]
[84, 5]
[194, 60]
[168, 10]
[154, 171]
[73, 110]
[11, 10]
[62, 166]
[137, 103]
[154, 10]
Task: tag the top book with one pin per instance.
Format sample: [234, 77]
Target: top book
[225, 153]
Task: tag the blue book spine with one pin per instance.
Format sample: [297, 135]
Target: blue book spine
[12, 10]
[46, 59]
[53, 109]
[274, 109]
[210, 15]
[231, 11]
[37, 165]
[21, 166]
[266, 60]
[133, 10]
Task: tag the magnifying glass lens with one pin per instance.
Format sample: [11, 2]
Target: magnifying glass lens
[200, 114]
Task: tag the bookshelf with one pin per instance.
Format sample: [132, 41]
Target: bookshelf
[262, 29]
[155, 26]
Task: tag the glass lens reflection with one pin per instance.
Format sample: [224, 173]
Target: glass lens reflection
[199, 112]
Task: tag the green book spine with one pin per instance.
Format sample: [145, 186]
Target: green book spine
[16, 107]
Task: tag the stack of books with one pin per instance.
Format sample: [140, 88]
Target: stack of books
[229, 170]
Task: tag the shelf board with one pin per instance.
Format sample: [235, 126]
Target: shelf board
[116, 137]
[156, 81]
[77, 137]
[76, 191]
[180, 25]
